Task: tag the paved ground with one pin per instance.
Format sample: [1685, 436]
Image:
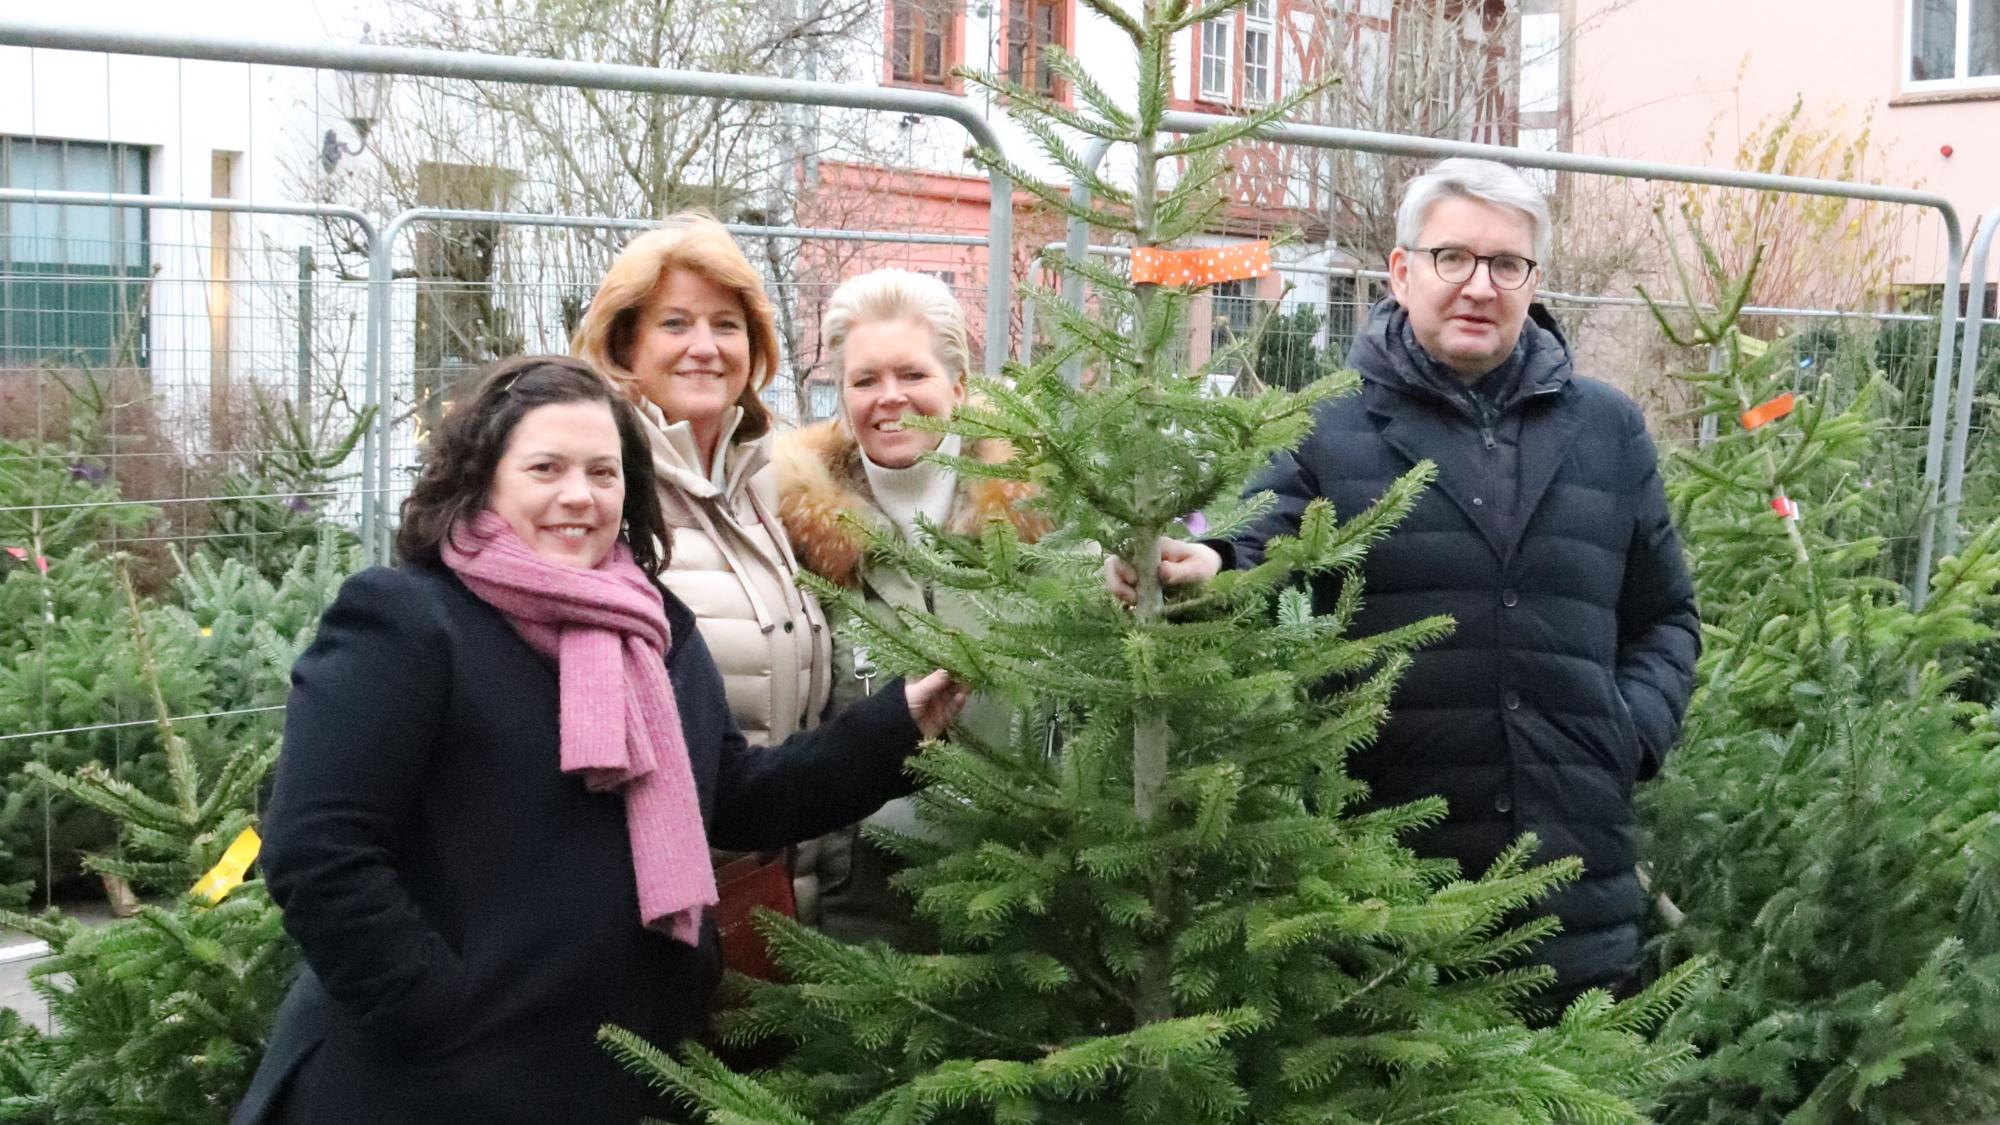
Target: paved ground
[15, 993]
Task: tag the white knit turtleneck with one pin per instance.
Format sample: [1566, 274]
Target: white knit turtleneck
[924, 488]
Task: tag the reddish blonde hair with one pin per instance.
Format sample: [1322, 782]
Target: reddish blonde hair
[696, 242]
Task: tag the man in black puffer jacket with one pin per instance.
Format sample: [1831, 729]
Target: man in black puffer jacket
[1546, 538]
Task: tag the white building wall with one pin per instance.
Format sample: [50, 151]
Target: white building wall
[265, 121]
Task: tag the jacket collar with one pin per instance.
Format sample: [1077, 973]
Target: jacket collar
[677, 458]
[1382, 359]
[1421, 423]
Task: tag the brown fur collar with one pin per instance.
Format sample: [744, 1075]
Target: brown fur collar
[818, 475]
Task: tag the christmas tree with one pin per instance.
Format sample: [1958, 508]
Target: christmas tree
[1829, 831]
[1160, 900]
[164, 1016]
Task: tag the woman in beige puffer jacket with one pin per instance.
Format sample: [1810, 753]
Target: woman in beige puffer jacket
[681, 323]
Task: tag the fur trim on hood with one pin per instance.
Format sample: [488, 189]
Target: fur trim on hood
[819, 476]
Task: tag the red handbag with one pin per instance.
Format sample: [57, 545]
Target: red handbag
[742, 885]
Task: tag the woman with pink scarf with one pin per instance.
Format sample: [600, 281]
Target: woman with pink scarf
[504, 763]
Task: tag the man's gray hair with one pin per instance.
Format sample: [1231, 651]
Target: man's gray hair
[1484, 180]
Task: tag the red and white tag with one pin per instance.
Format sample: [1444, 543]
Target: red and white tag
[1785, 506]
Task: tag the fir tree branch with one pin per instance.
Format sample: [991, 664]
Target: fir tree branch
[1114, 13]
[1211, 10]
[180, 768]
[1056, 198]
[1067, 67]
[1034, 111]
[1106, 283]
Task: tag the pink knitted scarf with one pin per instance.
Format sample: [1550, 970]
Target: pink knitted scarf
[607, 631]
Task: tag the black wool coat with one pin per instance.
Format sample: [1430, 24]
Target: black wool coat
[1570, 668]
[468, 912]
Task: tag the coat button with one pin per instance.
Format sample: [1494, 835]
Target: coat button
[1513, 701]
[1478, 502]
[1503, 803]
[1509, 598]
[788, 626]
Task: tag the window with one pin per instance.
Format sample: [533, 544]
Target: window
[1033, 25]
[72, 278]
[781, 398]
[923, 41]
[1343, 311]
[822, 400]
[1215, 59]
[1239, 56]
[1954, 43]
[1233, 313]
[1257, 39]
[1928, 299]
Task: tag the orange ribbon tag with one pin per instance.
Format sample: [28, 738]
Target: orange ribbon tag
[1204, 266]
[22, 554]
[1786, 507]
[1769, 412]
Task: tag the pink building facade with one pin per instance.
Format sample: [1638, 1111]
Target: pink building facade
[1650, 79]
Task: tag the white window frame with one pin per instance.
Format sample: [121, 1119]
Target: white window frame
[1259, 21]
[1219, 61]
[1961, 52]
[918, 18]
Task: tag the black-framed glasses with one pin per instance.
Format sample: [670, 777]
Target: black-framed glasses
[1456, 264]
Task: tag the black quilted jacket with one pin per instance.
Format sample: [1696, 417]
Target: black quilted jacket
[1570, 668]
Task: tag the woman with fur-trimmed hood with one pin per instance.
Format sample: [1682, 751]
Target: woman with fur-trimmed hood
[898, 345]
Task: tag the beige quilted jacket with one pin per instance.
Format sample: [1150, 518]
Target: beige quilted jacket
[731, 565]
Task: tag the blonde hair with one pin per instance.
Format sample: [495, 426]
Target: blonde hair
[696, 242]
[892, 294]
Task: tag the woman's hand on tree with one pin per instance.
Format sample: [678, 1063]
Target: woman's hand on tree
[1181, 562]
[935, 701]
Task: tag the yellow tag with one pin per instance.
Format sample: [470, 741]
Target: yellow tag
[227, 874]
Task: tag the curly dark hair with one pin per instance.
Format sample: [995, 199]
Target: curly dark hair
[466, 448]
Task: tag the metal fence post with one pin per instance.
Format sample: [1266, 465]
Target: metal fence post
[305, 318]
[375, 367]
[1710, 426]
[1078, 245]
[1968, 375]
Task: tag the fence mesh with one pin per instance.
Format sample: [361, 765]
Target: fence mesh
[183, 391]
[184, 395]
